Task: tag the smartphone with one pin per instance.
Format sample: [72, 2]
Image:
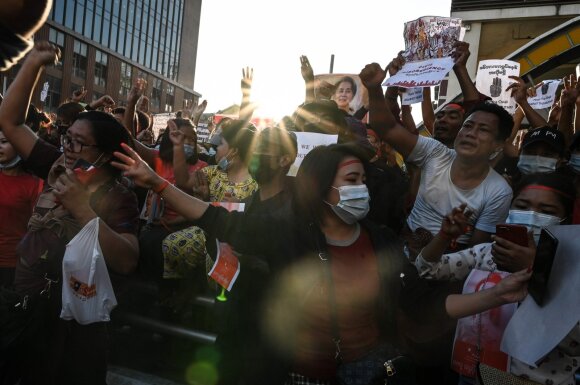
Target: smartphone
[545, 253]
[517, 234]
[84, 171]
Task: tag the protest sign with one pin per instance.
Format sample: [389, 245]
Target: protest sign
[424, 73]
[160, 122]
[483, 329]
[226, 268]
[429, 42]
[493, 79]
[430, 37]
[306, 142]
[202, 132]
[412, 96]
[545, 94]
[534, 331]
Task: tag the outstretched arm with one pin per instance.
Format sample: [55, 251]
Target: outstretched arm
[246, 108]
[14, 107]
[460, 55]
[509, 290]
[568, 97]
[135, 93]
[381, 118]
[137, 169]
[427, 110]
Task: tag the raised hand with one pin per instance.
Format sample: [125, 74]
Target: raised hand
[460, 53]
[456, 223]
[104, 101]
[306, 69]
[519, 91]
[176, 136]
[512, 256]
[198, 110]
[136, 168]
[137, 90]
[396, 64]
[73, 195]
[79, 95]
[247, 78]
[200, 187]
[44, 53]
[571, 92]
[372, 75]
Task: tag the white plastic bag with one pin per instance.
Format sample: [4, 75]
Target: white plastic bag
[87, 293]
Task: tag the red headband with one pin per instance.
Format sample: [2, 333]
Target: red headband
[546, 188]
[348, 162]
[455, 106]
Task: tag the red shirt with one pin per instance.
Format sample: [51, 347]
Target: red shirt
[17, 200]
[356, 286]
[576, 216]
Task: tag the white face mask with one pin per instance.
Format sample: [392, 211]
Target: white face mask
[531, 164]
[533, 221]
[353, 204]
[10, 164]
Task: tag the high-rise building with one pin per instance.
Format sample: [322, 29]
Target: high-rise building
[106, 44]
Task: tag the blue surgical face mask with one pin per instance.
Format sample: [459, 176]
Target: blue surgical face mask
[531, 164]
[574, 162]
[223, 164]
[533, 221]
[353, 204]
[189, 151]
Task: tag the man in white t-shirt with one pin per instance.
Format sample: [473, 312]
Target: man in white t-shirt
[450, 177]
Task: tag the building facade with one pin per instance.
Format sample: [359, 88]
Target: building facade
[107, 44]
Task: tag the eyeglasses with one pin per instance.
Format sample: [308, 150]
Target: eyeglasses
[74, 145]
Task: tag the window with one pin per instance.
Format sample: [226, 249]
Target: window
[156, 94]
[101, 62]
[69, 15]
[169, 98]
[80, 60]
[125, 81]
[57, 38]
[58, 11]
[79, 18]
[54, 91]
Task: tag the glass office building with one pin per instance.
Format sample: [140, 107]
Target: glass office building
[106, 44]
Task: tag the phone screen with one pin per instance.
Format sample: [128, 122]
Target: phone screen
[545, 252]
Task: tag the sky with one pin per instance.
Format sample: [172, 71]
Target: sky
[271, 35]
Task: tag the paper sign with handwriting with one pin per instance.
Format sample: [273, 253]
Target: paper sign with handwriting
[493, 79]
[545, 94]
[424, 73]
[412, 96]
[307, 141]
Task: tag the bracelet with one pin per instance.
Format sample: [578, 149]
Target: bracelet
[160, 187]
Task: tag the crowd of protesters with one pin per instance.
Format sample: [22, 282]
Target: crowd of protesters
[362, 254]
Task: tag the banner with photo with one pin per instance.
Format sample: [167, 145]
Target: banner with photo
[545, 94]
[429, 43]
[493, 79]
[430, 37]
[353, 100]
[307, 141]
